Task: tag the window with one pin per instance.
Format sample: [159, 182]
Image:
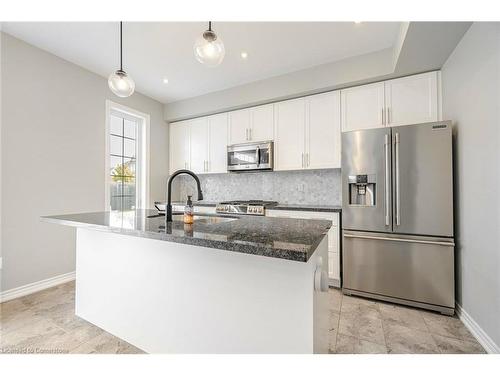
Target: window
[127, 141]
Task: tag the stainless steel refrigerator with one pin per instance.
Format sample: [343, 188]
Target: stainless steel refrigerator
[397, 215]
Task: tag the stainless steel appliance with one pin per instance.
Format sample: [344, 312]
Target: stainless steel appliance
[250, 157]
[397, 214]
[251, 207]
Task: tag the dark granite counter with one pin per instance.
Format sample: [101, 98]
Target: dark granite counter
[291, 239]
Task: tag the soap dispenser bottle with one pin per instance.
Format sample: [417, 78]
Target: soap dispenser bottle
[188, 211]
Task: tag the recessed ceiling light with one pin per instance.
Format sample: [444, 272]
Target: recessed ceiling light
[244, 55]
[165, 80]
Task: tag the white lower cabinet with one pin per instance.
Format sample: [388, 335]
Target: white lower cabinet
[333, 237]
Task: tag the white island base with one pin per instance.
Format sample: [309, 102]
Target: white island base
[167, 297]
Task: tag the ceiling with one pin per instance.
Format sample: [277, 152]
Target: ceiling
[153, 51]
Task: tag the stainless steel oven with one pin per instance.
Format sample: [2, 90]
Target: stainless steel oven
[250, 157]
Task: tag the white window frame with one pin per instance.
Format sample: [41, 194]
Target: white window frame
[143, 191]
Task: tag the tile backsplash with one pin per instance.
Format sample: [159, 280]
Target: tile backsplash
[288, 187]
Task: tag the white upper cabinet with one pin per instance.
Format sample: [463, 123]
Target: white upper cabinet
[363, 107]
[251, 125]
[217, 150]
[411, 100]
[262, 123]
[323, 131]
[307, 132]
[239, 125]
[179, 146]
[402, 101]
[199, 144]
[289, 131]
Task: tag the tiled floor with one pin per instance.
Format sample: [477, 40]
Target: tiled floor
[45, 322]
[359, 325]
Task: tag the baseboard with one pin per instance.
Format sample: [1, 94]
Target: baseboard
[36, 286]
[482, 337]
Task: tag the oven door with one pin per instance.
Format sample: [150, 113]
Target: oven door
[247, 157]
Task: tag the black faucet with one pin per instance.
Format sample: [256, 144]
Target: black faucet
[168, 213]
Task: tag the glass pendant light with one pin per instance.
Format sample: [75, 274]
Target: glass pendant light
[209, 49]
[120, 82]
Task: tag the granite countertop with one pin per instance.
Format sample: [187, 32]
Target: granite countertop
[288, 207]
[291, 239]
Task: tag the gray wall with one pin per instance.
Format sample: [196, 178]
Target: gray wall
[420, 47]
[287, 187]
[53, 144]
[320, 78]
[471, 98]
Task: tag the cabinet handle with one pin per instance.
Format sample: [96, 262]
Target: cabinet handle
[302, 160]
[307, 160]
[246, 134]
[250, 134]
[388, 116]
[383, 116]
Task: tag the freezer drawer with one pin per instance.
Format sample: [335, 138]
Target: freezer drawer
[411, 268]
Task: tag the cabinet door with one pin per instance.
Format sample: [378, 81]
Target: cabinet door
[363, 107]
[323, 131]
[412, 100]
[217, 146]
[262, 123]
[333, 237]
[239, 125]
[199, 144]
[179, 146]
[289, 131]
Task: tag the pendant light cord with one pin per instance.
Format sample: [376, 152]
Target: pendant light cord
[209, 25]
[121, 49]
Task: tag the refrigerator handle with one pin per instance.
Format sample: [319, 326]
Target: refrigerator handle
[397, 239]
[398, 193]
[387, 180]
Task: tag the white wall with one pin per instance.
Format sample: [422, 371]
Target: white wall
[52, 152]
[471, 98]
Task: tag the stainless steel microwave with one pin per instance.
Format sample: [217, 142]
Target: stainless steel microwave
[250, 157]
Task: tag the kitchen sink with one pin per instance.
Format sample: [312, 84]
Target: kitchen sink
[204, 219]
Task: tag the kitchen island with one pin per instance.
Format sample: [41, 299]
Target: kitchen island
[221, 285]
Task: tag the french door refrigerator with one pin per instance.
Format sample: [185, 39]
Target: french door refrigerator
[397, 215]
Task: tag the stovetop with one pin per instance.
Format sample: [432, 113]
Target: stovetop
[242, 207]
